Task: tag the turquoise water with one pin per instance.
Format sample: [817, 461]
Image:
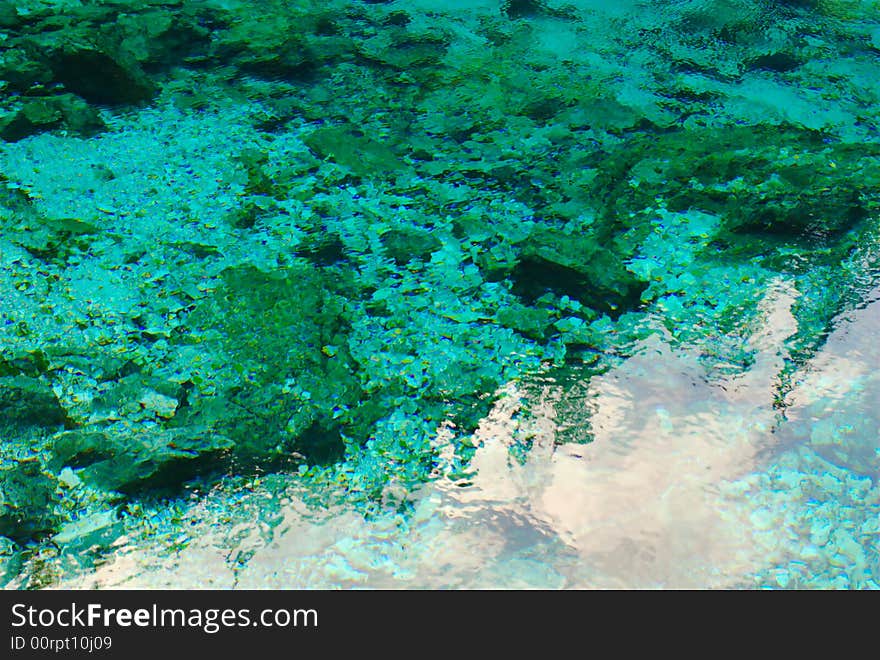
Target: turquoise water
[432, 294]
[693, 486]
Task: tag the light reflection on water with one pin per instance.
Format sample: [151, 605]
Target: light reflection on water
[690, 482]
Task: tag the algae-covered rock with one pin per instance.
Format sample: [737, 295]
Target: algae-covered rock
[9, 17]
[22, 69]
[11, 560]
[18, 125]
[164, 35]
[137, 396]
[31, 363]
[805, 190]
[29, 401]
[79, 118]
[52, 239]
[286, 335]
[101, 74]
[409, 243]
[97, 53]
[576, 266]
[348, 147]
[146, 457]
[27, 501]
[282, 41]
[404, 49]
[63, 111]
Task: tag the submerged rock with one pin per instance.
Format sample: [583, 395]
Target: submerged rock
[576, 266]
[363, 155]
[27, 502]
[853, 444]
[29, 401]
[11, 560]
[9, 17]
[134, 460]
[288, 333]
[38, 114]
[409, 243]
[52, 239]
[98, 529]
[101, 74]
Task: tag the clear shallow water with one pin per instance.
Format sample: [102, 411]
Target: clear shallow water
[690, 482]
[310, 253]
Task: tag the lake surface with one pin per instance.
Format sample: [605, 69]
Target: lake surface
[427, 294]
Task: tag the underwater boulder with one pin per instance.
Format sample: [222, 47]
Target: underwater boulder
[21, 69]
[98, 529]
[281, 338]
[853, 444]
[407, 243]
[29, 401]
[9, 18]
[352, 149]
[577, 266]
[163, 36]
[43, 113]
[28, 363]
[27, 502]
[131, 460]
[52, 239]
[102, 77]
[11, 560]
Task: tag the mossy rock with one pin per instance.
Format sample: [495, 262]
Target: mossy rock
[577, 266]
[161, 36]
[348, 147]
[139, 395]
[532, 322]
[26, 363]
[27, 502]
[53, 239]
[407, 243]
[9, 18]
[11, 560]
[29, 401]
[133, 460]
[282, 337]
[101, 73]
[399, 48]
[38, 114]
[22, 69]
[809, 190]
